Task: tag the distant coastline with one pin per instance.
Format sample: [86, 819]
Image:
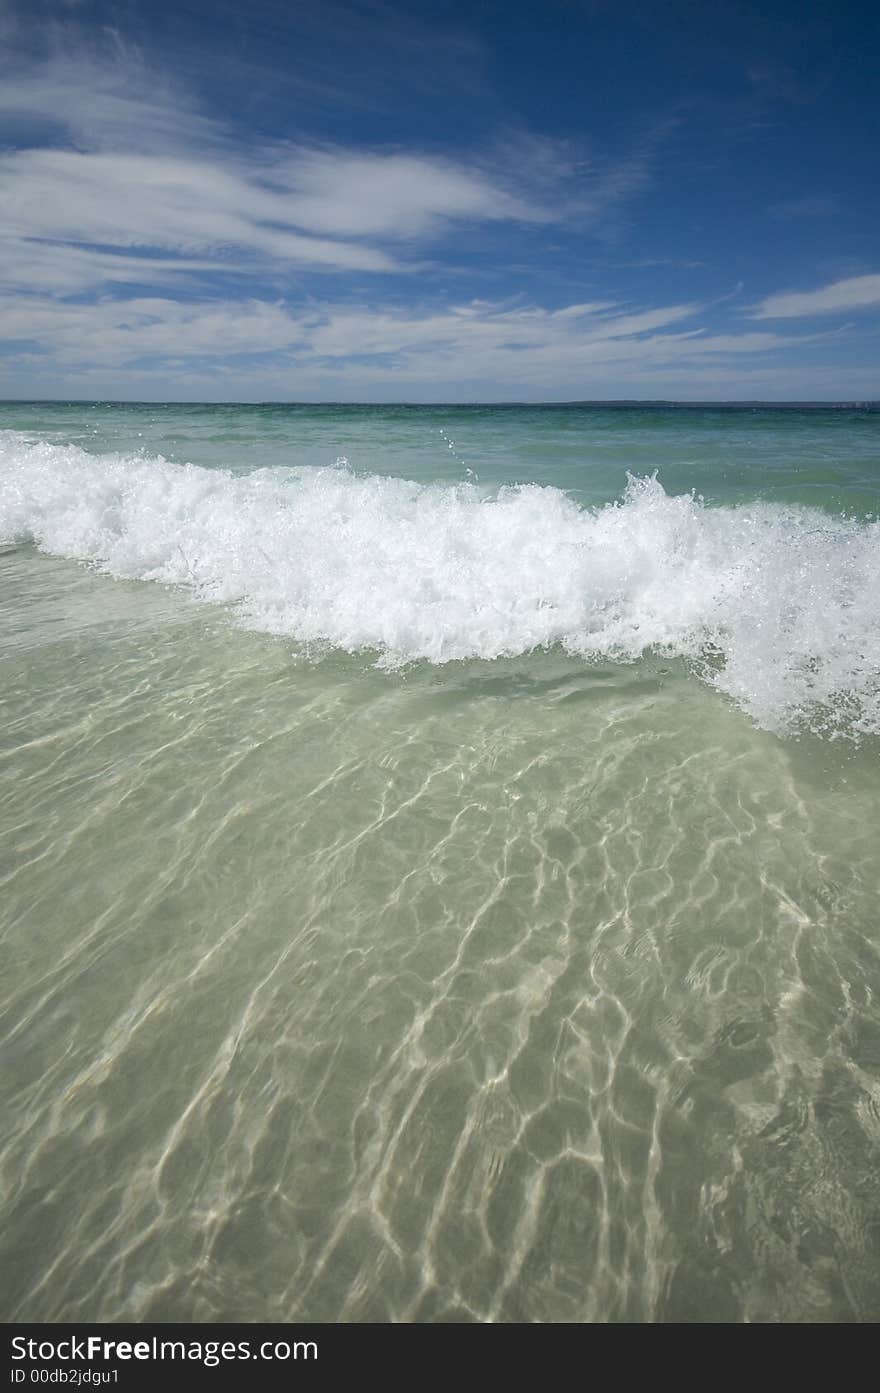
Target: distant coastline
[612, 404]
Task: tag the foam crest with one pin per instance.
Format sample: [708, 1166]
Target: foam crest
[774, 605]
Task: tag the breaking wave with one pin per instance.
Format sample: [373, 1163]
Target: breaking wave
[776, 606]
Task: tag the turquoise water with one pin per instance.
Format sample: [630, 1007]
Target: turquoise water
[439, 863]
[825, 457]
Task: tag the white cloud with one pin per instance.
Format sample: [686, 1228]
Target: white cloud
[58, 268]
[119, 189]
[856, 293]
[162, 202]
[126, 331]
[324, 209]
[102, 151]
[482, 337]
[349, 194]
[337, 347]
[185, 205]
[107, 100]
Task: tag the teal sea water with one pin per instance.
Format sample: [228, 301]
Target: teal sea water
[439, 863]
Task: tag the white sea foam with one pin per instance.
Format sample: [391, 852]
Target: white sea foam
[777, 606]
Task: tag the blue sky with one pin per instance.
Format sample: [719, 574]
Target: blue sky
[439, 202]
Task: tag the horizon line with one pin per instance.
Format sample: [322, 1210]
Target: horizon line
[853, 403]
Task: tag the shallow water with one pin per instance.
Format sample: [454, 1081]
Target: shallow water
[542, 987]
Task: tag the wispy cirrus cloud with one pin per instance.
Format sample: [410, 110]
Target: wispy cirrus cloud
[143, 235]
[526, 347]
[100, 97]
[33, 267]
[173, 204]
[324, 209]
[106, 154]
[102, 153]
[854, 293]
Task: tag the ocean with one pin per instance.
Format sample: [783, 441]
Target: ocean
[439, 863]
